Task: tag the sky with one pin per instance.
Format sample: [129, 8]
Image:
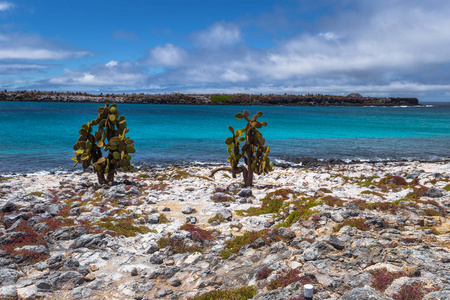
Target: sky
[397, 48]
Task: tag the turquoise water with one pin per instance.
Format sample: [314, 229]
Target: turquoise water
[39, 136]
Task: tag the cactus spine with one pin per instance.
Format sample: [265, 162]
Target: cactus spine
[110, 136]
[254, 151]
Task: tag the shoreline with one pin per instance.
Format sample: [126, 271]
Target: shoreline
[295, 163]
[212, 99]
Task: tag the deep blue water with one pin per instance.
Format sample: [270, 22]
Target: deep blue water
[39, 136]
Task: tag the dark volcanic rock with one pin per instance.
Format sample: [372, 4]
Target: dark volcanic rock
[91, 241]
[435, 193]
[55, 261]
[365, 293]
[8, 207]
[65, 280]
[336, 243]
[245, 193]
[67, 233]
[8, 276]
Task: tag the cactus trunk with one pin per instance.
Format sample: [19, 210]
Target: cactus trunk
[110, 176]
[101, 178]
[248, 176]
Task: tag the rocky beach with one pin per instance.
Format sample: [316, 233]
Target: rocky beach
[353, 231]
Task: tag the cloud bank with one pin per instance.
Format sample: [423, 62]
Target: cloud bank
[397, 48]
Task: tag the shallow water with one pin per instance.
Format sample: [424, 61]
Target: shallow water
[39, 136]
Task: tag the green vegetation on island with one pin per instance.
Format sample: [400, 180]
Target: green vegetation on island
[353, 99]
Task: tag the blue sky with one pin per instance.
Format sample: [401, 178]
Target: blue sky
[376, 48]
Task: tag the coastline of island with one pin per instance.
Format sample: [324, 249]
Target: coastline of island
[353, 99]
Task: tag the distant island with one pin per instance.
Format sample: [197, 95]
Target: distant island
[353, 99]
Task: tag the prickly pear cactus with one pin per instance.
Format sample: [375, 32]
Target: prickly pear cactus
[110, 137]
[253, 151]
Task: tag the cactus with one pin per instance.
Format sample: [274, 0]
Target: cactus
[110, 137]
[254, 151]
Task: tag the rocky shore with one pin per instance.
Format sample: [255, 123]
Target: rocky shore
[210, 99]
[354, 231]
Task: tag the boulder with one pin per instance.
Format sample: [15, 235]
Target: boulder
[335, 242]
[8, 292]
[245, 193]
[435, 193]
[67, 233]
[91, 241]
[366, 293]
[8, 207]
[226, 214]
[187, 210]
[8, 276]
[153, 218]
[65, 280]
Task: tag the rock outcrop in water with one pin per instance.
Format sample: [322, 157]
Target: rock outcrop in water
[207, 99]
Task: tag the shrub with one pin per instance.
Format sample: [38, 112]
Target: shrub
[417, 193]
[198, 234]
[177, 245]
[271, 203]
[217, 218]
[369, 192]
[233, 246]
[243, 293]
[27, 237]
[433, 230]
[219, 198]
[110, 136]
[264, 273]
[220, 98]
[325, 190]
[414, 291]
[163, 219]
[358, 223]
[123, 227]
[332, 201]
[382, 206]
[287, 278]
[394, 180]
[302, 210]
[382, 278]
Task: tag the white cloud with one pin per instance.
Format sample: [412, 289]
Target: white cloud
[39, 53]
[14, 68]
[112, 63]
[219, 34]
[329, 36]
[233, 76]
[5, 6]
[17, 46]
[121, 74]
[167, 56]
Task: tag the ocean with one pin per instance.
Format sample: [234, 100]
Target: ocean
[38, 137]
